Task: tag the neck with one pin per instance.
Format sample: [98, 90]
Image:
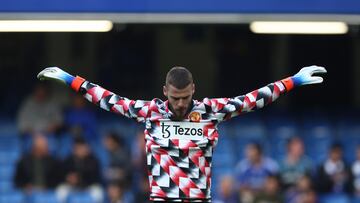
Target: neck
[179, 117]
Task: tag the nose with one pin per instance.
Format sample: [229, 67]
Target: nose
[181, 103]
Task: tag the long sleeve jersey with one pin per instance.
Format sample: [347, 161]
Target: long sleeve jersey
[179, 153]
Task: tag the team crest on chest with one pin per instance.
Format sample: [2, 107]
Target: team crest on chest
[195, 116]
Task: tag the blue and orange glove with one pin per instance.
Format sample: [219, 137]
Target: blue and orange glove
[55, 73]
[304, 77]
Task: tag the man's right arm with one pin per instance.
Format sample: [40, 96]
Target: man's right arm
[105, 99]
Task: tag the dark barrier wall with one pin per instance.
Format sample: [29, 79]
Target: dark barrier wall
[226, 60]
[181, 6]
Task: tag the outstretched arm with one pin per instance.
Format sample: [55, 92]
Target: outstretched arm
[230, 107]
[136, 109]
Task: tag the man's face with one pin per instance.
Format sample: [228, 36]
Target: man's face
[179, 99]
[296, 148]
[81, 150]
[252, 153]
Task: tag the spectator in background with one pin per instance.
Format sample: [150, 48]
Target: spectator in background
[139, 154]
[356, 173]
[271, 191]
[38, 170]
[138, 158]
[334, 174]
[39, 113]
[227, 191]
[117, 193]
[252, 172]
[82, 173]
[295, 164]
[142, 193]
[303, 192]
[118, 170]
[80, 120]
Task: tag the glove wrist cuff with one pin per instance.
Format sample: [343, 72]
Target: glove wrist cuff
[77, 82]
[288, 83]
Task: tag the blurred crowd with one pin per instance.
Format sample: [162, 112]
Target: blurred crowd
[63, 153]
[295, 179]
[122, 177]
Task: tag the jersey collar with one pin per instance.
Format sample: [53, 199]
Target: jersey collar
[168, 110]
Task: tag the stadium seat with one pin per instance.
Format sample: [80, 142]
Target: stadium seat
[80, 197]
[355, 200]
[349, 136]
[9, 142]
[12, 197]
[225, 144]
[335, 198]
[224, 159]
[8, 127]
[64, 147]
[43, 197]
[318, 139]
[249, 135]
[277, 139]
[9, 157]
[7, 172]
[6, 186]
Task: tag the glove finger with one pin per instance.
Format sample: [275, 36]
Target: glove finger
[41, 74]
[319, 69]
[315, 80]
[311, 69]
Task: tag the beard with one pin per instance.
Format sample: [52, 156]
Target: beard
[179, 114]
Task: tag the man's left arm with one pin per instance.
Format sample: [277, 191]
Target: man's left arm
[257, 99]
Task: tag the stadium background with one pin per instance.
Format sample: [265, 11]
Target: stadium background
[225, 57]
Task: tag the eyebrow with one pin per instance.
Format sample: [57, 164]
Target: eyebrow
[180, 97]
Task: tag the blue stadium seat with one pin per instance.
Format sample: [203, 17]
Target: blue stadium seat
[355, 200]
[224, 156]
[64, 148]
[43, 197]
[225, 144]
[125, 127]
[102, 155]
[9, 142]
[8, 127]
[335, 198]
[6, 186]
[349, 136]
[9, 157]
[12, 197]
[80, 197]
[318, 139]
[224, 159]
[7, 172]
[245, 134]
[277, 139]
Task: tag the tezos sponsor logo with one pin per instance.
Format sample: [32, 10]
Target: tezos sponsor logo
[178, 130]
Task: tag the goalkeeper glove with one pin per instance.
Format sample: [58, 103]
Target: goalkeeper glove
[55, 73]
[304, 77]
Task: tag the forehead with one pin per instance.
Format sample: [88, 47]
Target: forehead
[175, 91]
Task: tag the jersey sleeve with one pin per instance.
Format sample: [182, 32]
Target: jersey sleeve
[226, 108]
[107, 100]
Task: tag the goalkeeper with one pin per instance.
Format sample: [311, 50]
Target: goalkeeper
[180, 132]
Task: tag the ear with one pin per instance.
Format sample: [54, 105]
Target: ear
[193, 88]
[165, 91]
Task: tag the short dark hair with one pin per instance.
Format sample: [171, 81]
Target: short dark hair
[336, 146]
[179, 77]
[79, 141]
[257, 146]
[115, 137]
